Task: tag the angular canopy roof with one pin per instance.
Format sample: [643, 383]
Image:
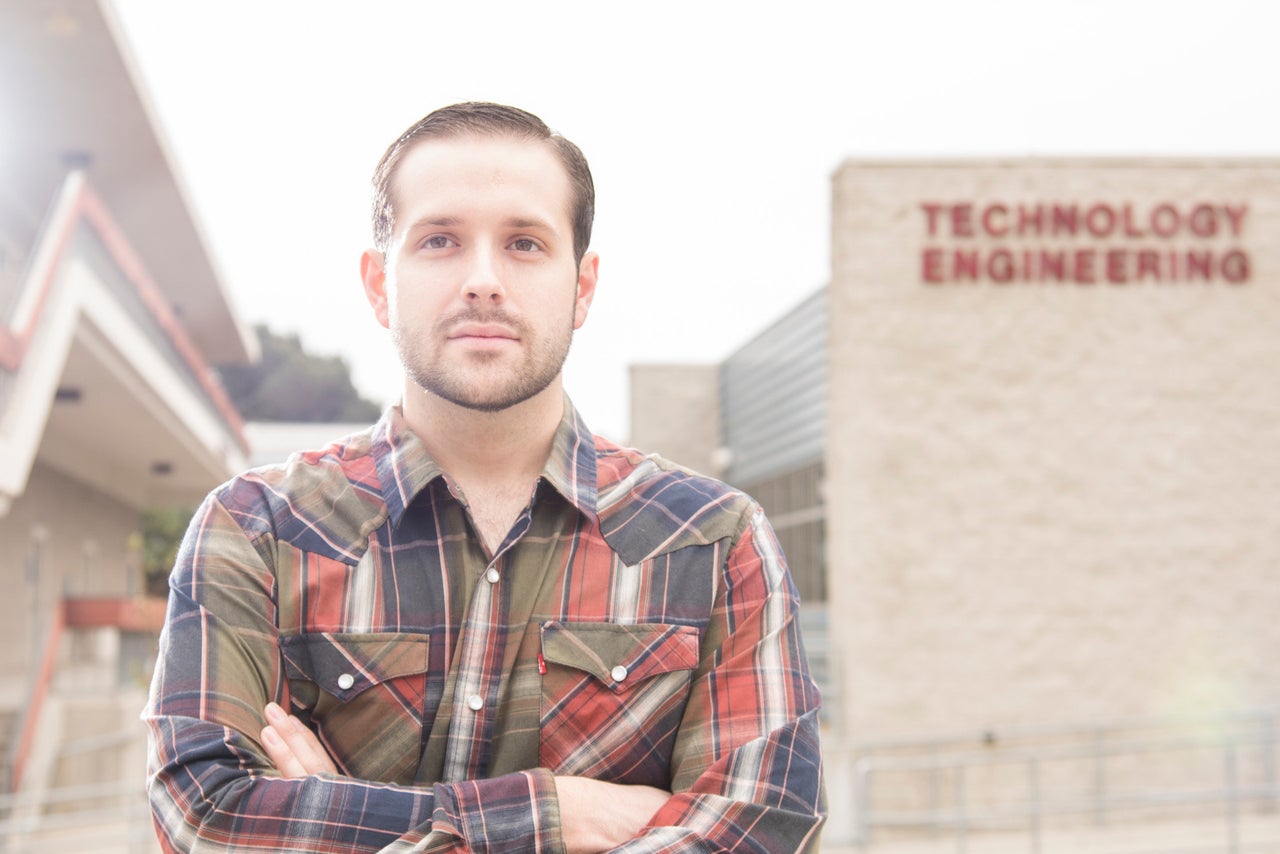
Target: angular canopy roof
[71, 96]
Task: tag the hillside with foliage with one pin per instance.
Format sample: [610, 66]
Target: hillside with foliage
[290, 384]
[287, 384]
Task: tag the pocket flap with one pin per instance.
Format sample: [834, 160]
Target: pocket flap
[621, 655]
[346, 664]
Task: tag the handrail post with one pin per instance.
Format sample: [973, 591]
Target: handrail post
[935, 789]
[862, 772]
[29, 720]
[1269, 763]
[961, 822]
[1033, 802]
[1099, 777]
[1233, 808]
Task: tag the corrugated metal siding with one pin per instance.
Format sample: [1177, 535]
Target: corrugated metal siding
[773, 392]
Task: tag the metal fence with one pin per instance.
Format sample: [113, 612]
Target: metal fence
[100, 818]
[1027, 781]
[106, 817]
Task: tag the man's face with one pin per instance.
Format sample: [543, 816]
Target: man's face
[479, 286]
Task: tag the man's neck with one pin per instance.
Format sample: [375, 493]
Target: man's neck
[483, 451]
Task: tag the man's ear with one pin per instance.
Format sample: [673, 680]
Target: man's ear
[588, 272]
[374, 276]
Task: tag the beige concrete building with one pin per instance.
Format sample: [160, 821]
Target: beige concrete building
[111, 313]
[1048, 485]
[1058, 493]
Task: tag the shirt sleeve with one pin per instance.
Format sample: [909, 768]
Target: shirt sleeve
[746, 767]
[212, 787]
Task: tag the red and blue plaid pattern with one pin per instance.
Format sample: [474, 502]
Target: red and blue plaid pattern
[637, 625]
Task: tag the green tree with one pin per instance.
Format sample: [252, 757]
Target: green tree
[290, 384]
[160, 535]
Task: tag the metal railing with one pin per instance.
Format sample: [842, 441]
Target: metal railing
[1080, 776]
[28, 718]
[114, 816]
[106, 816]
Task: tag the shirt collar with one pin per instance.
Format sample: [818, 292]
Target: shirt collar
[571, 467]
[405, 468]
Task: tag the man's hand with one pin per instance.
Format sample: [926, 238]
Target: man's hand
[292, 747]
[596, 816]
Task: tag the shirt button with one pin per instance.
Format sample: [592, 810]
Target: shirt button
[618, 673]
[491, 576]
[475, 702]
[345, 681]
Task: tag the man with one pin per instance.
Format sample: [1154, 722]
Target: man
[477, 627]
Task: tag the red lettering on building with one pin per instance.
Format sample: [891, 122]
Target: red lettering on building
[1148, 265]
[1203, 221]
[1084, 267]
[1131, 229]
[988, 220]
[1117, 274]
[1165, 220]
[1000, 266]
[1083, 243]
[931, 210]
[1100, 220]
[1064, 220]
[1053, 264]
[1235, 216]
[1026, 220]
[1199, 266]
[931, 266]
[1235, 267]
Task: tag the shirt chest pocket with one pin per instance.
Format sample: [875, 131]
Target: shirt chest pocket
[365, 695]
[613, 697]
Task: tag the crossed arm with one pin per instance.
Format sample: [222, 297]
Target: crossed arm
[594, 815]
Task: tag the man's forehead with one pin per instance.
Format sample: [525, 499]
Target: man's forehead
[436, 162]
[504, 151]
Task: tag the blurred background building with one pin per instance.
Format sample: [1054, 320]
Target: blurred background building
[111, 311]
[1024, 455]
[1021, 452]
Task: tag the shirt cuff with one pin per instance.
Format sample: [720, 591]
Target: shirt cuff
[512, 814]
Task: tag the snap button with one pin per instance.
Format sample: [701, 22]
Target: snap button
[345, 681]
[491, 576]
[618, 673]
[475, 702]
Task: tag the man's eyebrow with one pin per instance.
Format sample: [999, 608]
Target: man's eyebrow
[527, 222]
[451, 221]
[435, 222]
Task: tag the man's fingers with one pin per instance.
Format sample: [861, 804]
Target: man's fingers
[280, 754]
[597, 816]
[297, 752]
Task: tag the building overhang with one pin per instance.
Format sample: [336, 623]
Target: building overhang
[73, 99]
[98, 379]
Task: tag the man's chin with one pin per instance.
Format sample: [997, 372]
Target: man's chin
[484, 400]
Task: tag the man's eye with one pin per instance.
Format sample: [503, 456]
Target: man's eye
[437, 241]
[524, 244]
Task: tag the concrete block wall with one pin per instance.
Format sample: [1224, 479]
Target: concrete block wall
[675, 412]
[1053, 501]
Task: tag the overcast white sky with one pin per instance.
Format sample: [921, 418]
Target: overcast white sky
[712, 129]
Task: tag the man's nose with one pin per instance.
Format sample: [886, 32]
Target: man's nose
[482, 282]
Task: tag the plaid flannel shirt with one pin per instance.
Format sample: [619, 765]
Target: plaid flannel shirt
[637, 625]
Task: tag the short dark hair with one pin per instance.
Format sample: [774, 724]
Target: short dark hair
[477, 117]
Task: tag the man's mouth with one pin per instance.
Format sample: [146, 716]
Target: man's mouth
[495, 333]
